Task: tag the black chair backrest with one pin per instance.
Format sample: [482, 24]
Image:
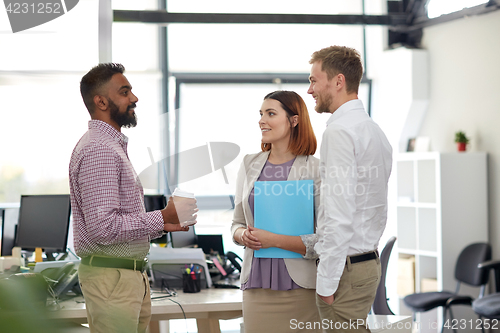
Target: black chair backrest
[379, 306]
[466, 268]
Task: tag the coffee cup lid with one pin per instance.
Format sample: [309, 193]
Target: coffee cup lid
[180, 193]
[188, 223]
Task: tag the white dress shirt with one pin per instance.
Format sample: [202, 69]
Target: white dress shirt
[355, 164]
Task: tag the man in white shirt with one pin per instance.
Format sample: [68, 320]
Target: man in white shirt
[355, 164]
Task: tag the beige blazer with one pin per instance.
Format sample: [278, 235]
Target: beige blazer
[302, 271]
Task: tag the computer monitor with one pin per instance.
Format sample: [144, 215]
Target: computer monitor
[44, 222]
[156, 202]
[9, 226]
[211, 243]
[184, 238]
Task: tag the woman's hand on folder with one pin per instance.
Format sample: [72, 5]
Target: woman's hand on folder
[269, 239]
[249, 240]
[266, 238]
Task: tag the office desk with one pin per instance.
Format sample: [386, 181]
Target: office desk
[207, 307]
[210, 305]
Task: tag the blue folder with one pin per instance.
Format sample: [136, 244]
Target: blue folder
[286, 208]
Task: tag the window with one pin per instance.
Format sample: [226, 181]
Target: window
[264, 6]
[43, 114]
[230, 113]
[437, 8]
[257, 48]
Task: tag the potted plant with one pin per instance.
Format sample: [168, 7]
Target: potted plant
[462, 140]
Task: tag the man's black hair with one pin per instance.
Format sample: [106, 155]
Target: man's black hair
[93, 81]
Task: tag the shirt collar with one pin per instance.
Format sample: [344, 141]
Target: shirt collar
[106, 128]
[344, 108]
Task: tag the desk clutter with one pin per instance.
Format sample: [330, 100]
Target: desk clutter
[191, 282]
[40, 226]
[168, 267]
[177, 269]
[173, 270]
[36, 295]
[47, 280]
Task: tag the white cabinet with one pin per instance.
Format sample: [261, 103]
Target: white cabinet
[442, 206]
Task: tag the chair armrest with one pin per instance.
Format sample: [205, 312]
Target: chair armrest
[463, 300]
[495, 265]
[492, 264]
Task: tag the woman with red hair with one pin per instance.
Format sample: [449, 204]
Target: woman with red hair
[278, 294]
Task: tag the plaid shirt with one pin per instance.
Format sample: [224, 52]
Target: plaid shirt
[107, 199]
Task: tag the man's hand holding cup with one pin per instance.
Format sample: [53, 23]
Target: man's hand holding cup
[180, 211]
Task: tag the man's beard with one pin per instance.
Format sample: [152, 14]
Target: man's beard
[123, 119]
[323, 103]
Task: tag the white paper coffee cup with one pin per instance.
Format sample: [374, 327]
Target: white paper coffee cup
[183, 194]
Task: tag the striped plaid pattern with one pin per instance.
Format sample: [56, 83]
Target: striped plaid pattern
[107, 199]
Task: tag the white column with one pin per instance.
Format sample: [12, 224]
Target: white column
[105, 30]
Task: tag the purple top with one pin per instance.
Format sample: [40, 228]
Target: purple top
[270, 273]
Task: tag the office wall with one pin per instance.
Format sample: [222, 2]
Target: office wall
[464, 95]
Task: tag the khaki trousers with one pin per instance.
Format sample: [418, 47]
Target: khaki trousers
[280, 311]
[117, 300]
[353, 298]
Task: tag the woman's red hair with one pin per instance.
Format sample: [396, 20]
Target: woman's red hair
[302, 138]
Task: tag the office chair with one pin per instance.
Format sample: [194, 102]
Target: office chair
[232, 258]
[489, 306]
[380, 306]
[466, 271]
